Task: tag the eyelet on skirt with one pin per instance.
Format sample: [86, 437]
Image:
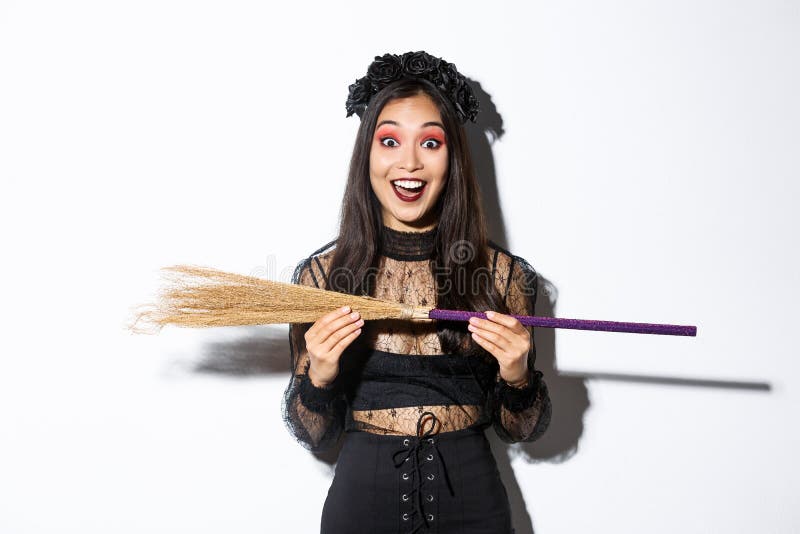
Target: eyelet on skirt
[370, 488]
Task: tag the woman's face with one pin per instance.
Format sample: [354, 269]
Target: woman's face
[408, 162]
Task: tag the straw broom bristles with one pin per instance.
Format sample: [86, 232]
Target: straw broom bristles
[202, 297]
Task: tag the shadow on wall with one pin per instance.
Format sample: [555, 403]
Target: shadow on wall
[265, 350]
[568, 394]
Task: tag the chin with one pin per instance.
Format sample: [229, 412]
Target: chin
[409, 219]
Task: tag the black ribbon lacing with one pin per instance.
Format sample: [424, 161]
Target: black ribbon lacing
[412, 447]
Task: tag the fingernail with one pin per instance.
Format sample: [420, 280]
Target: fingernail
[345, 309]
[490, 314]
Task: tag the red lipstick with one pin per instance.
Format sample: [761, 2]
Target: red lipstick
[406, 196]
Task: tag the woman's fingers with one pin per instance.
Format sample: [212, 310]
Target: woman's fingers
[346, 340]
[487, 344]
[338, 340]
[496, 340]
[326, 339]
[500, 333]
[329, 323]
[332, 329]
[509, 322]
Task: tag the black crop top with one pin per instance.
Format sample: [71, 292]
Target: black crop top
[398, 371]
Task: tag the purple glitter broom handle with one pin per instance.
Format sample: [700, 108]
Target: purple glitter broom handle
[576, 324]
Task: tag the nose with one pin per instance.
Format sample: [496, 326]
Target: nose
[411, 160]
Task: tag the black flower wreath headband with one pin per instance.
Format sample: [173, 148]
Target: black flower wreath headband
[391, 67]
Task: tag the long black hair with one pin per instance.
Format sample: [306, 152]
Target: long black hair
[460, 258]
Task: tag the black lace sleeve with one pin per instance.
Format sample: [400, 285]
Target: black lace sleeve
[521, 414]
[314, 415]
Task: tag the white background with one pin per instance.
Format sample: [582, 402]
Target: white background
[648, 169]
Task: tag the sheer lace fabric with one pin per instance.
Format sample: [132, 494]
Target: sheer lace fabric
[396, 371]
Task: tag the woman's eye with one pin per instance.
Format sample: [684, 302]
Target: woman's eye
[387, 140]
[435, 143]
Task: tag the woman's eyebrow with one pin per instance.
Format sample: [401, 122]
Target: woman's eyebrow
[425, 125]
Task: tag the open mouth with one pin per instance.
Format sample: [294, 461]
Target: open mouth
[408, 190]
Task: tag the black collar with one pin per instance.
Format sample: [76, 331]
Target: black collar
[407, 246]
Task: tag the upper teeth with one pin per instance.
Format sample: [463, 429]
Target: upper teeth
[409, 183]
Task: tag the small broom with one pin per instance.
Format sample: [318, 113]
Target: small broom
[204, 297]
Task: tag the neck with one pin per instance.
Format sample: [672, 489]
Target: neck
[404, 227]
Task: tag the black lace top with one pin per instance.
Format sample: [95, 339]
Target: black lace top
[397, 370]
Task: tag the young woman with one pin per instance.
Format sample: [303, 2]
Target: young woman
[412, 399]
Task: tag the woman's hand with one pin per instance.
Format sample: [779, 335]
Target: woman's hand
[505, 338]
[326, 340]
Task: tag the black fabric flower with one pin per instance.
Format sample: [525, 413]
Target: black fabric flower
[388, 68]
[420, 63]
[384, 70]
[465, 101]
[360, 93]
[450, 77]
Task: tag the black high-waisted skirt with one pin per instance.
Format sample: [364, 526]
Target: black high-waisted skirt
[442, 483]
